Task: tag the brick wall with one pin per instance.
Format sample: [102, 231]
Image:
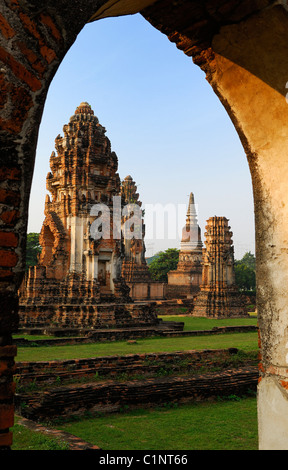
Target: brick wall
[112, 395]
[110, 366]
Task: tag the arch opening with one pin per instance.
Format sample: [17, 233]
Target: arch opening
[242, 49]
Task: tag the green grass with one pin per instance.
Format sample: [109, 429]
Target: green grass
[26, 439]
[198, 426]
[197, 323]
[202, 426]
[243, 341]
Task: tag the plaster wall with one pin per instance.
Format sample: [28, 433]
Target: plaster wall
[252, 88]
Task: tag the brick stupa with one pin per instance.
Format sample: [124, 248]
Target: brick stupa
[184, 282]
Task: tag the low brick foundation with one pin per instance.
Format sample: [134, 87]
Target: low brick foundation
[112, 395]
[56, 388]
[70, 336]
[110, 366]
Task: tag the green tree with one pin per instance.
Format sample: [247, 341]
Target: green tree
[163, 262]
[249, 260]
[245, 274]
[32, 249]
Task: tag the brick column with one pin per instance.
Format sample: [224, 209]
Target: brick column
[34, 38]
[32, 45]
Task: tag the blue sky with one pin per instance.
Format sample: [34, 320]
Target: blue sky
[166, 125]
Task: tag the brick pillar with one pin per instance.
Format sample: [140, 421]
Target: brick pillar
[32, 45]
[8, 324]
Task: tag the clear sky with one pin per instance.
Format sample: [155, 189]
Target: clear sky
[166, 125]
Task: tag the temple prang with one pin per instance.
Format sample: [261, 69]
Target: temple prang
[219, 296]
[135, 270]
[80, 265]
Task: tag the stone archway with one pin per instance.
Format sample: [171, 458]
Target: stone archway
[242, 47]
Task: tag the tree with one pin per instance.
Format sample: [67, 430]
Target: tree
[245, 272]
[32, 249]
[163, 262]
[249, 260]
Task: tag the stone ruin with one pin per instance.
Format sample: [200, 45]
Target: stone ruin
[79, 279]
[88, 281]
[135, 270]
[185, 281]
[219, 295]
[204, 280]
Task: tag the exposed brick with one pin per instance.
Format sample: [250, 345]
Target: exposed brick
[30, 25]
[7, 390]
[19, 114]
[10, 217]
[8, 196]
[47, 53]
[6, 416]
[6, 29]
[47, 20]
[8, 239]
[8, 258]
[8, 351]
[284, 384]
[20, 71]
[33, 59]
[6, 274]
[7, 366]
[7, 173]
[4, 91]
[6, 439]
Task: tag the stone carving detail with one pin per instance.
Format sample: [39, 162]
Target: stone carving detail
[134, 266]
[218, 296]
[76, 268]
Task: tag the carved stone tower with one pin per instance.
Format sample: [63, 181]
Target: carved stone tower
[185, 281]
[81, 259]
[134, 266]
[83, 174]
[219, 296]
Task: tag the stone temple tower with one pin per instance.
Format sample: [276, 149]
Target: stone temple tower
[135, 270]
[81, 259]
[185, 281]
[219, 296]
[83, 174]
[134, 266]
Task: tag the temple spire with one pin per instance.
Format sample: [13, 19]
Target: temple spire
[191, 218]
[191, 233]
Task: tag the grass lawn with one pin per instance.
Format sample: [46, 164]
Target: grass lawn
[26, 439]
[197, 426]
[242, 341]
[222, 425]
[200, 323]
